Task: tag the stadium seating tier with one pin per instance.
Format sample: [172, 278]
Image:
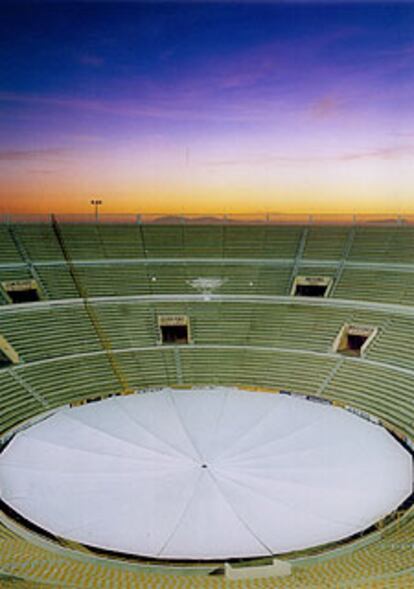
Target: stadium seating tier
[81, 345]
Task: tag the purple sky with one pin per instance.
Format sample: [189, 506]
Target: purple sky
[203, 106]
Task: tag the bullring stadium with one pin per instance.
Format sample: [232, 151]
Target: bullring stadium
[205, 402]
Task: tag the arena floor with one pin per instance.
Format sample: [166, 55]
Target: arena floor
[208, 473]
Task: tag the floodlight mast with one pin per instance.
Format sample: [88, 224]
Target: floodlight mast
[96, 203]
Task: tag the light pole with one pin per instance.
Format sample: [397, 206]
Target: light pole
[96, 204]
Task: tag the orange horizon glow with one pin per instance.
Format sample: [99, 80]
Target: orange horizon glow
[334, 213]
[204, 202]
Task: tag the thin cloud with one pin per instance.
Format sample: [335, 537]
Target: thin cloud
[82, 138]
[41, 172]
[21, 155]
[144, 109]
[91, 60]
[242, 87]
[382, 153]
[325, 108]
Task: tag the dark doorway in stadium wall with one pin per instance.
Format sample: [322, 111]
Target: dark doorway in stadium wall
[4, 360]
[24, 296]
[174, 334]
[310, 290]
[311, 286]
[353, 340]
[22, 291]
[174, 329]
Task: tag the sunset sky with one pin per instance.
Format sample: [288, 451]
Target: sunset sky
[212, 107]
